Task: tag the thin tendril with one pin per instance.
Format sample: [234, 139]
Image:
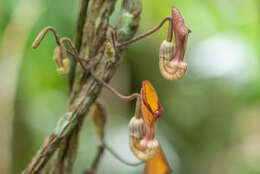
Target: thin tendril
[119, 158]
[125, 98]
[42, 34]
[86, 69]
[150, 32]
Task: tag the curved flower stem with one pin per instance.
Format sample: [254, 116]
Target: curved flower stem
[119, 158]
[170, 31]
[122, 97]
[42, 34]
[96, 161]
[138, 113]
[169, 36]
[90, 67]
[66, 39]
[113, 38]
[99, 116]
[72, 54]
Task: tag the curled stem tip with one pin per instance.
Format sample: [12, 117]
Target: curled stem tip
[42, 34]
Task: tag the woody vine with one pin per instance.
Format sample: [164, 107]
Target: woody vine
[107, 50]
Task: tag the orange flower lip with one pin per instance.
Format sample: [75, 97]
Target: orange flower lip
[150, 99]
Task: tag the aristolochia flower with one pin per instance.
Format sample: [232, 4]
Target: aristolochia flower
[142, 128]
[171, 61]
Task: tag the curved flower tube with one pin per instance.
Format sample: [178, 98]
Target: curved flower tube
[172, 70]
[142, 126]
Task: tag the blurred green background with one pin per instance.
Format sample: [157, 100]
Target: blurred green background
[211, 122]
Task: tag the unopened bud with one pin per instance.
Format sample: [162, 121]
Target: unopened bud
[136, 128]
[142, 147]
[65, 69]
[166, 50]
[62, 63]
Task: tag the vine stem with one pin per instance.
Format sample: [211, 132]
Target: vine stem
[90, 68]
[111, 89]
[42, 34]
[119, 158]
[115, 45]
[169, 35]
[96, 161]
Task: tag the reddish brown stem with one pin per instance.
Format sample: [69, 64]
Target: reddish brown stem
[96, 162]
[86, 69]
[111, 89]
[42, 34]
[119, 158]
[169, 36]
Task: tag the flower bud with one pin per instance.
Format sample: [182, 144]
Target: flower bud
[62, 63]
[141, 147]
[136, 128]
[166, 50]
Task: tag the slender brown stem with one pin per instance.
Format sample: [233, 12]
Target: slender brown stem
[148, 33]
[138, 108]
[42, 34]
[119, 158]
[86, 69]
[111, 89]
[55, 34]
[99, 117]
[65, 39]
[170, 31]
[96, 161]
[75, 54]
[113, 39]
[72, 54]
